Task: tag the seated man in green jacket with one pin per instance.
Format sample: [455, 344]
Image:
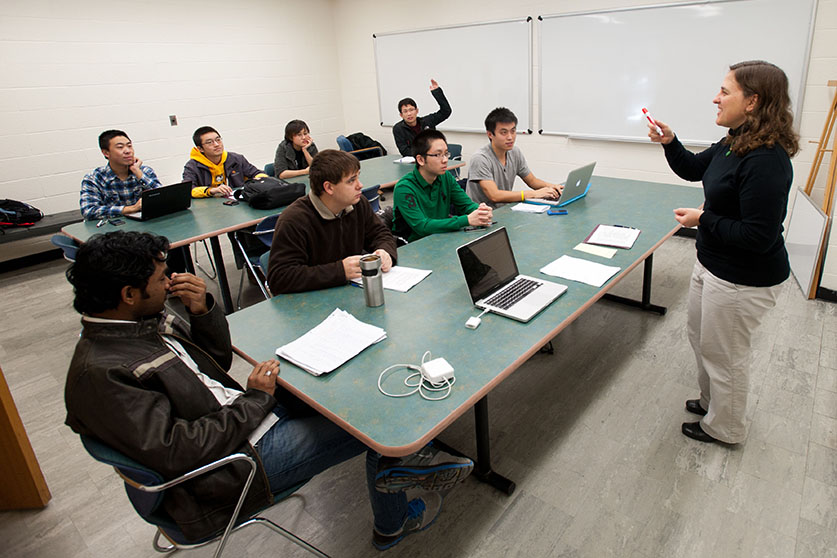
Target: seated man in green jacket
[423, 199]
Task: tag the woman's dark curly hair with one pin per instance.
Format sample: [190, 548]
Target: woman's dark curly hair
[771, 121]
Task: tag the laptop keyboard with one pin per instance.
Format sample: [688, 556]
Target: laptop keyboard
[512, 294]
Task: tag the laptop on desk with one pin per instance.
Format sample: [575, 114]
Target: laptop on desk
[157, 202]
[494, 282]
[575, 187]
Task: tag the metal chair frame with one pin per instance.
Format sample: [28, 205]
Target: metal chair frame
[93, 448]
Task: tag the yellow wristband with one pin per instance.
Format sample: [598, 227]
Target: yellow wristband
[522, 196]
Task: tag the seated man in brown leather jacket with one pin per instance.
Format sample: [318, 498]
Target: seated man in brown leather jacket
[156, 389]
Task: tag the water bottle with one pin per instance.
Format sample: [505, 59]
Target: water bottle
[373, 280]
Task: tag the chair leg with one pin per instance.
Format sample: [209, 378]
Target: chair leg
[288, 535]
[169, 548]
[214, 274]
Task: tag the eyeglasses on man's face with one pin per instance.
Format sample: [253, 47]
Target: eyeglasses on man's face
[214, 141]
[445, 155]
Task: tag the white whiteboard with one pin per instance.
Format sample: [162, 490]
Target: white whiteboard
[598, 69]
[479, 67]
[806, 234]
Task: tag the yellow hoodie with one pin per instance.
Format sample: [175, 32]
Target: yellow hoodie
[218, 174]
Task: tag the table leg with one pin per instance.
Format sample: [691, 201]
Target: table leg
[482, 467]
[482, 464]
[223, 284]
[645, 303]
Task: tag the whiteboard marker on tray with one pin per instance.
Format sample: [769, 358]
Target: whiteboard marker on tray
[651, 120]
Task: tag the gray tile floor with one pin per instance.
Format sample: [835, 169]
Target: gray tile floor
[591, 435]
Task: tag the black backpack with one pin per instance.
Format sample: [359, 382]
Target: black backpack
[18, 214]
[269, 193]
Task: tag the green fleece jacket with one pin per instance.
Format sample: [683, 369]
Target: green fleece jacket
[422, 209]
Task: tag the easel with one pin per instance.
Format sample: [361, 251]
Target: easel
[828, 197]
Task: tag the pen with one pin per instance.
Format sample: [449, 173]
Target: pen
[101, 222]
[621, 226]
[651, 120]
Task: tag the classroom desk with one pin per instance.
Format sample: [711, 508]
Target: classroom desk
[385, 172]
[207, 219]
[431, 316]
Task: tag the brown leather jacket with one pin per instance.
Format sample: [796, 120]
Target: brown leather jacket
[126, 388]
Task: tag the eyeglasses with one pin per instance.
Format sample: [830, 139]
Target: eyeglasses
[445, 155]
[213, 141]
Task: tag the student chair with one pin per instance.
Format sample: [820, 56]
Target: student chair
[366, 153]
[269, 168]
[145, 489]
[371, 194]
[67, 245]
[455, 151]
[252, 261]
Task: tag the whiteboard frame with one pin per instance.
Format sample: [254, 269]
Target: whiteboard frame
[799, 101]
[527, 19]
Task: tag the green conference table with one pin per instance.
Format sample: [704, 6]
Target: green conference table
[385, 171]
[431, 316]
[209, 218]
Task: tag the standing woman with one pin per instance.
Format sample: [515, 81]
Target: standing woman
[741, 256]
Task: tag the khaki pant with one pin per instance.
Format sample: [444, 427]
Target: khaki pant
[722, 319]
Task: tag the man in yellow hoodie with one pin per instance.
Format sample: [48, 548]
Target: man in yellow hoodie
[212, 170]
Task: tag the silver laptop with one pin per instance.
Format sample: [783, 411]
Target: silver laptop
[494, 282]
[577, 185]
[157, 202]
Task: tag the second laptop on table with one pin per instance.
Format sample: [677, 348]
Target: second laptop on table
[495, 284]
[157, 202]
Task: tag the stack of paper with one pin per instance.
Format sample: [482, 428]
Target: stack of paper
[583, 271]
[334, 341]
[400, 278]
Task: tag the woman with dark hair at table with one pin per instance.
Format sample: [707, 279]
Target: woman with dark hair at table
[295, 153]
[741, 256]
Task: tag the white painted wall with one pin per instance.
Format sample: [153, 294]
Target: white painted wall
[552, 157]
[74, 69]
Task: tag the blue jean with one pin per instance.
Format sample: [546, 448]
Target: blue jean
[302, 445]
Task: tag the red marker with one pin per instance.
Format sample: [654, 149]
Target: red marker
[651, 120]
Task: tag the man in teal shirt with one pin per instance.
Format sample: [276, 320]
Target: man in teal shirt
[424, 199]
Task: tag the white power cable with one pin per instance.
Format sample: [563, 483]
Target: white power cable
[422, 385]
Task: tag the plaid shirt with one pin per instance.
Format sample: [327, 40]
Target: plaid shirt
[103, 194]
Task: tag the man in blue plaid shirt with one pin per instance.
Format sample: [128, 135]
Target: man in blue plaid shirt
[116, 188]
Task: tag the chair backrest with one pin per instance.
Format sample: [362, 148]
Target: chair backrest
[269, 168]
[371, 194]
[264, 230]
[455, 151]
[67, 245]
[344, 144]
[146, 504]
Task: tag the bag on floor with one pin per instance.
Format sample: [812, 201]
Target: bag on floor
[269, 193]
[18, 214]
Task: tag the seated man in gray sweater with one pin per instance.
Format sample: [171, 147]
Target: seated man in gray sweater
[320, 238]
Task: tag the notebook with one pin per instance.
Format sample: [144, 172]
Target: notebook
[157, 202]
[494, 282]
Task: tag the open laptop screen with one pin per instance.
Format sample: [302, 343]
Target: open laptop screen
[488, 263]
